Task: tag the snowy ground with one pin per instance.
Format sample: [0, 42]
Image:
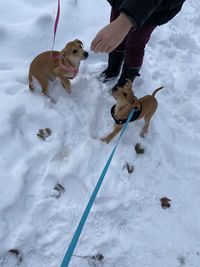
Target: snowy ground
[127, 224]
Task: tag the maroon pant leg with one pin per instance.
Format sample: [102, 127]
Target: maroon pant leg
[134, 43]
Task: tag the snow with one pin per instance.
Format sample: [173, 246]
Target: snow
[127, 224]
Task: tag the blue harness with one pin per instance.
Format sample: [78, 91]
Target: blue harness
[135, 116]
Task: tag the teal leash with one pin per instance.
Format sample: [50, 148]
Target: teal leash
[72, 246]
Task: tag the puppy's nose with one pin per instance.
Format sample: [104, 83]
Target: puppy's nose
[86, 54]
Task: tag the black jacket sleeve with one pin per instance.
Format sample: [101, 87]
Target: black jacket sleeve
[139, 10]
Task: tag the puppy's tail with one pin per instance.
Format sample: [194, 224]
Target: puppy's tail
[30, 81]
[160, 88]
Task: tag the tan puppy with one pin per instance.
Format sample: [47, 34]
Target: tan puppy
[51, 64]
[126, 101]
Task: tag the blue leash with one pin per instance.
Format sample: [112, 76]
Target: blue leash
[86, 212]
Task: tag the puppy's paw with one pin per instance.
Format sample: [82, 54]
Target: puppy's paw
[63, 84]
[105, 140]
[143, 134]
[69, 91]
[53, 100]
[67, 88]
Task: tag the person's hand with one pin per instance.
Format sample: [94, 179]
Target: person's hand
[112, 35]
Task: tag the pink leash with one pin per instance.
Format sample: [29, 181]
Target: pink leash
[56, 25]
[56, 55]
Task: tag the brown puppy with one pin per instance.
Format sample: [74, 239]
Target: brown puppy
[51, 64]
[126, 101]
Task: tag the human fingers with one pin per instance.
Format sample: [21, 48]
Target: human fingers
[109, 49]
[95, 41]
[104, 47]
[99, 47]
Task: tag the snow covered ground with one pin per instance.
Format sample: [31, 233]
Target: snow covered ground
[127, 224]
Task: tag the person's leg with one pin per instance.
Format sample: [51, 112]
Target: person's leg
[135, 45]
[135, 49]
[116, 57]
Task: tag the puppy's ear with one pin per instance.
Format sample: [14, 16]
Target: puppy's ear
[66, 51]
[78, 41]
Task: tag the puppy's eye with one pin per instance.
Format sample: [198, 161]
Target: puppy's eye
[125, 94]
[74, 51]
[81, 46]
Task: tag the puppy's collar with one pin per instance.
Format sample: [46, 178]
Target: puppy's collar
[135, 116]
[55, 55]
[64, 67]
[69, 69]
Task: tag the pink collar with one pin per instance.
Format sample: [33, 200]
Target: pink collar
[55, 55]
[62, 66]
[70, 69]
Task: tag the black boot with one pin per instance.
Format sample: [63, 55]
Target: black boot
[115, 60]
[127, 73]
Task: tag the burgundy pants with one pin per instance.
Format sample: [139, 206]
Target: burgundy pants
[134, 43]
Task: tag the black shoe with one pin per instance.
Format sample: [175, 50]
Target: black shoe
[115, 60]
[127, 73]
